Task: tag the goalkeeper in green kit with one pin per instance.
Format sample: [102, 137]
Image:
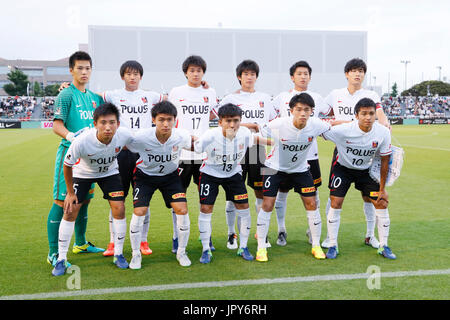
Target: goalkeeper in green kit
[74, 108]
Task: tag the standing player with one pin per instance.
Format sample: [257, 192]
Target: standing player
[300, 73]
[74, 108]
[342, 103]
[225, 147]
[92, 158]
[135, 107]
[357, 143]
[287, 168]
[159, 150]
[194, 104]
[257, 109]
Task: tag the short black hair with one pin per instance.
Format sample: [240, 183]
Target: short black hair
[302, 98]
[79, 56]
[247, 65]
[106, 109]
[365, 102]
[164, 107]
[194, 61]
[229, 110]
[355, 63]
[300, 64]
[131, 65]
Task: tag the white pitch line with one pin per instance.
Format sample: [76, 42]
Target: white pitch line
[221, 284]
[425, 147]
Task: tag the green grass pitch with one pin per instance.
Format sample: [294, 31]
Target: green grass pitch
[419, 233]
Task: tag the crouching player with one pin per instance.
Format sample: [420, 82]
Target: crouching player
[357, 143]
[92, 157]
[287, 168]
[225, 147]
[159, 151]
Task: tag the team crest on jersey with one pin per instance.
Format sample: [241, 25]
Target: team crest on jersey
[374, 144]
[94, 104]
[310, 139]
[261, 104]
[144, 99]
[206, 99]
[175, 148]
[241, 146]
[117, 149]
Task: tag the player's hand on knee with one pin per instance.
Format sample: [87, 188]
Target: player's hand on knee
[383, 198]
[70, 202]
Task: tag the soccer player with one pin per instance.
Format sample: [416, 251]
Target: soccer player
[300, 73]
[159, 151]
[74, 109]
[135, 106]
[342, 104]
[92, 157]
[257, 109]
[287, 168]
[194, 105]
[225, 147]
[357, 143]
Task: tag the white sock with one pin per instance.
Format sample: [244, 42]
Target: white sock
[64, 236]
[327, 208]
[204, 226]
[258, 204]
[369, 211]
[174, 223]
[111, 228]
[145, 226]
[315, 226]
[280, 208]
[184, 228]
[246, 223]
[383, 226]
[120, 226]
[230, 213]
[136, 224]
[334, 215]
[262, 227]
[318, 200]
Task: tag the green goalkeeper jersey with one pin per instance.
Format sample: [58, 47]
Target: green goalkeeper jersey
[76, 109]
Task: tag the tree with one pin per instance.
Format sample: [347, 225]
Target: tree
[51, 90]
[394, 90]
[436, 87]
[19, 83]
[37, 90]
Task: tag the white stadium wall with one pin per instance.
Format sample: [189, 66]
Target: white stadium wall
[162, 51]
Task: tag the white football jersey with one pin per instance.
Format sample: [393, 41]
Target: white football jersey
[281, 103]
[257, 107]
[134, 106]
[92, 159]
[193, 108]
[343, 103]
[356, 148]
[291, 146]
[224, 156]
[156, 158]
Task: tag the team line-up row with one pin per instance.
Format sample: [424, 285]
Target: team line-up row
[166, 158]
